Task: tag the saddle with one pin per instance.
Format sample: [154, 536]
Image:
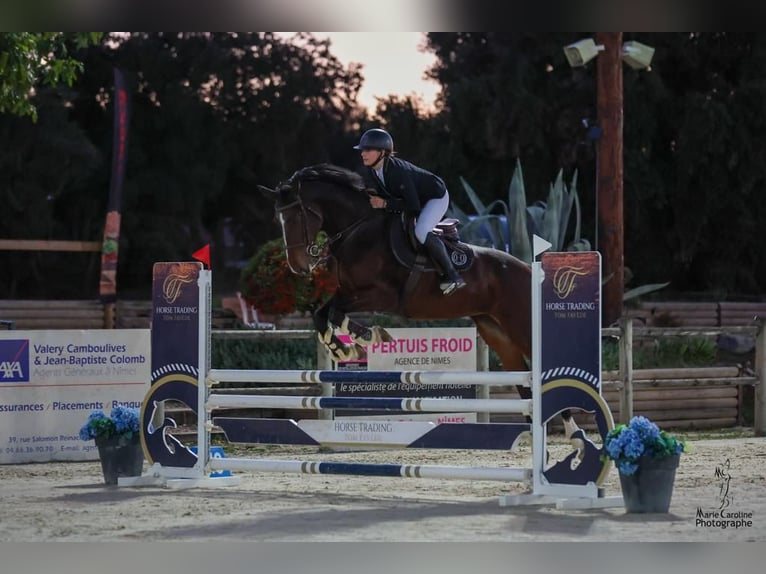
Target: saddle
[412, 255]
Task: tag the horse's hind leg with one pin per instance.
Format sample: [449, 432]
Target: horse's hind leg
[511, 356]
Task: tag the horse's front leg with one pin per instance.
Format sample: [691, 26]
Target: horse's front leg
[326, 332]
[362, 335]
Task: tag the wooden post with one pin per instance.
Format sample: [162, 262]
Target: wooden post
[110, 316]
[759, 402]
[610, 172]
[482, 364]
[626, 369]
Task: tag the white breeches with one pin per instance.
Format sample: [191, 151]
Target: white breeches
[430, 215]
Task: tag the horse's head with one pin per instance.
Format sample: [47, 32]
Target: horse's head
[300, 223]
[317, 198]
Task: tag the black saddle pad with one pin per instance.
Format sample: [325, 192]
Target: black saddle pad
[408, 251]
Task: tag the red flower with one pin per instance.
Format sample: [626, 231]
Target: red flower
[268, 284]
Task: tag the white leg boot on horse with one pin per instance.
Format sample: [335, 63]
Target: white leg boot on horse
[340, 350]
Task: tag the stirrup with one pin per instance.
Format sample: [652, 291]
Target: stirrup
[450, 286]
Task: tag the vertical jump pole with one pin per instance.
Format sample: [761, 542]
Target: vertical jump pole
[538, 429]
[203, 349]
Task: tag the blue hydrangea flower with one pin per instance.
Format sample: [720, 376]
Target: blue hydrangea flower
[122, 421]
[125, 419]
[626, 444]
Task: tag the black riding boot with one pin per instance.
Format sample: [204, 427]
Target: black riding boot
[438, 252]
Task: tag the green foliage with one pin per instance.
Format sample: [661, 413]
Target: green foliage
[30, 59]
[264, 354]
[212, 115]
[663, 352]
[512, 229]
[215, 114]
[634, 293]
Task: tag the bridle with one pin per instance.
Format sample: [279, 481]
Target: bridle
[312, 248]
[317, 252]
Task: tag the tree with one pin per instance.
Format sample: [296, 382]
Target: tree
[29, 59]
[213, 115]
[693, 125]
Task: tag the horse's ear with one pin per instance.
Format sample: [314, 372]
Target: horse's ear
[267, 191]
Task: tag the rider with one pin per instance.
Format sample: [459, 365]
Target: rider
[404, 187]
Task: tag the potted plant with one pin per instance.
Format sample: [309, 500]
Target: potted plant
[118, 440]
[646, 458]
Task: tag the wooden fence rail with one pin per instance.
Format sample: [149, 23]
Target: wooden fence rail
[713, 388]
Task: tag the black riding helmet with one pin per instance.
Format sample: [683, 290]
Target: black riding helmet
[376, 139]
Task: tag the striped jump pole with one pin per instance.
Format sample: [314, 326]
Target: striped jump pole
[371, 469]
[483, 378]
[424, 405]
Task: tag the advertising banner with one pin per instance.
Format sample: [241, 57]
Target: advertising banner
[415, 349]
[427, 349]
[572, 309]
[50, 381]
[175, 319]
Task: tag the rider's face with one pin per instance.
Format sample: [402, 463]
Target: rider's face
[372, 158]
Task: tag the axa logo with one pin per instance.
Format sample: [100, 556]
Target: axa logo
[565, 280]
[14, 361]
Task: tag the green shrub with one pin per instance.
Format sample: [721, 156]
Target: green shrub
[249, 354]
[663, 352]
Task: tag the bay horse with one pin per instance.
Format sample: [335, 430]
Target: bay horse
[370, 278]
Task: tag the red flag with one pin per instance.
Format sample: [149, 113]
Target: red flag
[203, 255]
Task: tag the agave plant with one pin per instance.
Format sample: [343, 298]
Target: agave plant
[510, 226]
[512, 229]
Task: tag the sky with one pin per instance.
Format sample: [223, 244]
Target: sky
[392, 63]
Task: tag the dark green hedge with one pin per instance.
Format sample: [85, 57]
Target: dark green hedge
[264, 354]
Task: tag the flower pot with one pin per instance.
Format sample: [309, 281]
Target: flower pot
[651, 487]
[120, 457]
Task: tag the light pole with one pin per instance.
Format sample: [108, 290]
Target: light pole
[609, 174]
[609, 153]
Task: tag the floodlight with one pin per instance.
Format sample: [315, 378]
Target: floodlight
[637, 55]
[582, 52]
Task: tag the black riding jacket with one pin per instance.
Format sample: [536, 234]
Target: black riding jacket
[407, 187]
